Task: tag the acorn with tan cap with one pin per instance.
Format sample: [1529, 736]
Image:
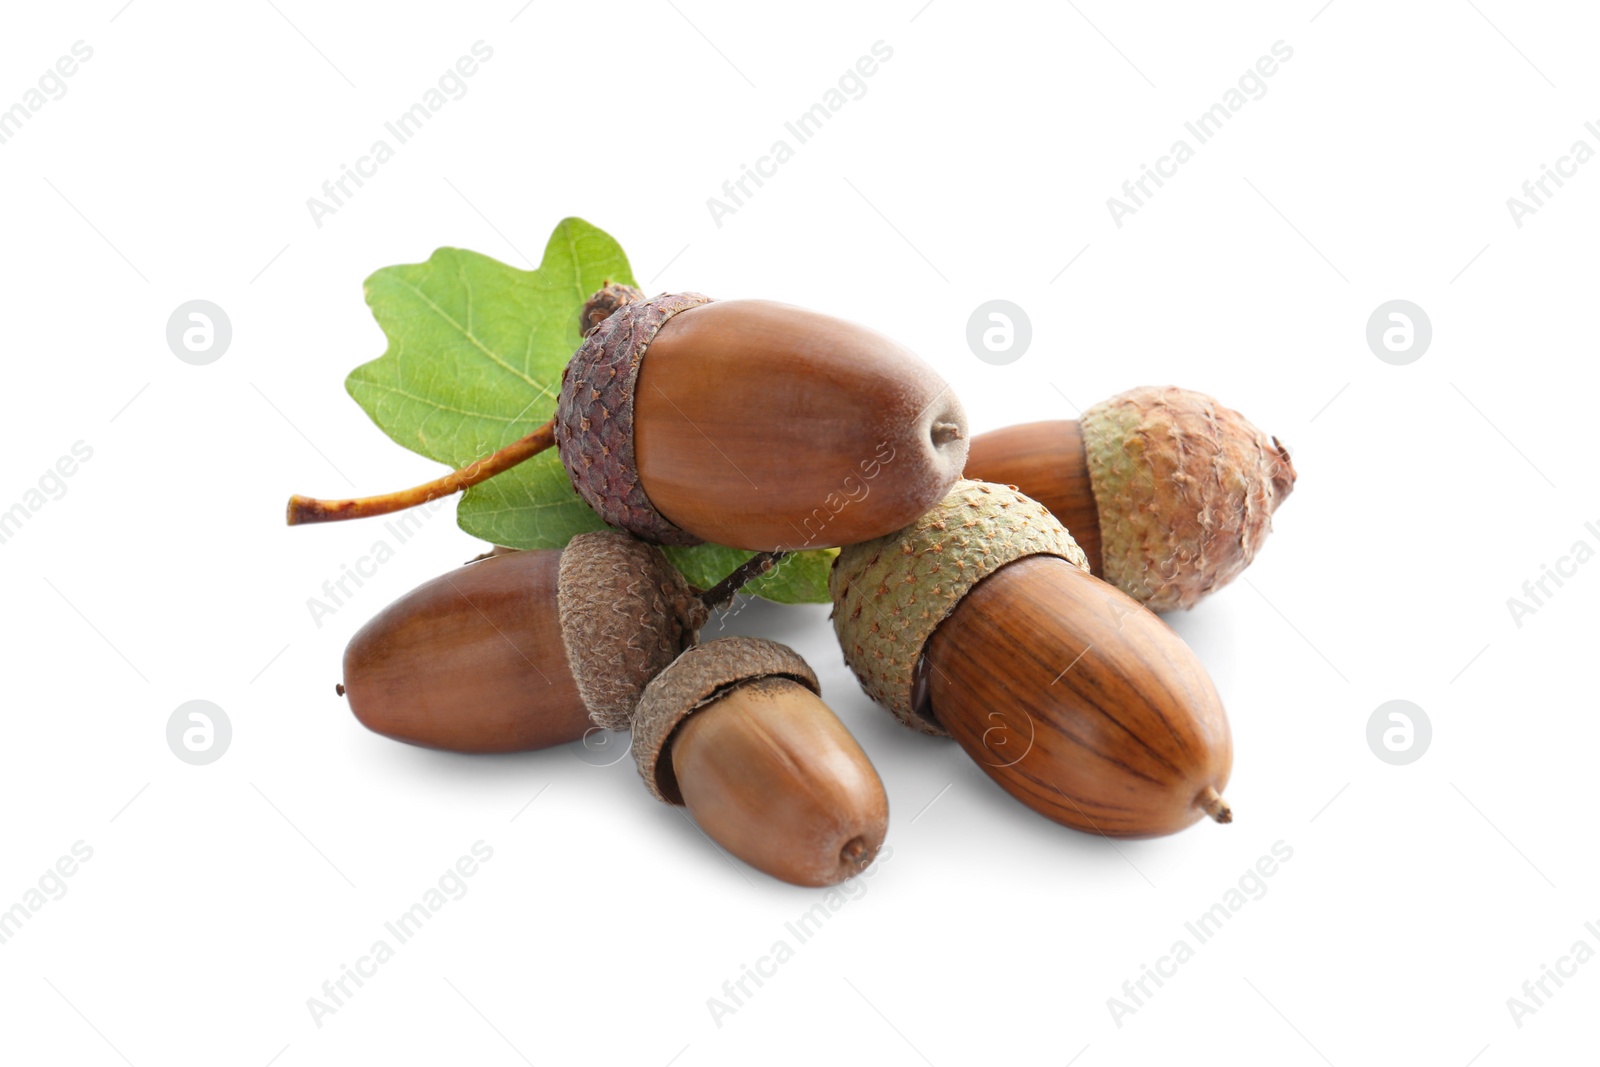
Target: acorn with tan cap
[980, 621]
[1169, 493]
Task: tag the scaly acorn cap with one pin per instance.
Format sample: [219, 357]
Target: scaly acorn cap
[693, 680]
[1186, 489]
[625, 614]
[608, 298]
[594, 410]
[890, 594]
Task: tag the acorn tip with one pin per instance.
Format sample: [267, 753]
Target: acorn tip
[1212, 803]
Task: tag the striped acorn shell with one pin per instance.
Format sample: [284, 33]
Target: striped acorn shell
[890, 594]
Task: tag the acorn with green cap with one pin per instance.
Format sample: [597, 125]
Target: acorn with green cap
[980, 621]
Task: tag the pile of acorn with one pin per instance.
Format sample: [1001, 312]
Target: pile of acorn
[960, 599]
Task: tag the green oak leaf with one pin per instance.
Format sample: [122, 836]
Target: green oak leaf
[476, 350]
[800, 578]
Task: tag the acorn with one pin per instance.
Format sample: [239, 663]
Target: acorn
[523, 650]
[735, 730]
[980, 621]
[1169, 493]
[744, 423]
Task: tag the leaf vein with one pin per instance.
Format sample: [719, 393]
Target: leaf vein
[468, 334]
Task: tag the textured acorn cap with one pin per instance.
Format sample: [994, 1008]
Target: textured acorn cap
[625, 614]
[1186, 489]
[889, 595]
[609, 298]
[695, 679]
[594, 410]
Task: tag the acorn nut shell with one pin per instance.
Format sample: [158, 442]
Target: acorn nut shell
[735, 731]
[981, 621]
[696, 678]
[1170, 493]
[522, 650]
[753, 424]
[890, 594]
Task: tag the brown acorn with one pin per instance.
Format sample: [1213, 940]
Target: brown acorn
[744, 423]
[980, 621]
[1169, 493]
[523, 650]
[735, 731]
[764, 426]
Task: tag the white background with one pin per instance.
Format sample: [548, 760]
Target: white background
[976, 166]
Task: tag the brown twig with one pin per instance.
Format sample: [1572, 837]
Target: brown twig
[721, 594]
[304, 509]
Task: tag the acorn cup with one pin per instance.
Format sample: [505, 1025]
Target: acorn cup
[735, 731]
[1169, 494]
[526, 650]
[980, 621]
[523, 650]
[744, 423]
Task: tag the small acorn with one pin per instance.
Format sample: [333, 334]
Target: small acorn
[981, 621]
[744, 423]
[1169, 493]
[734, 730]
[523, 650]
